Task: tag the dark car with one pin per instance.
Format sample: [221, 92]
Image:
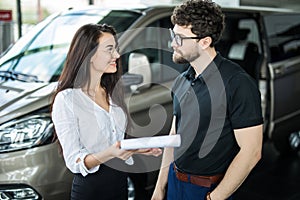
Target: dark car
[265, 42]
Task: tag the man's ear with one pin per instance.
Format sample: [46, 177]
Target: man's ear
[205, 42]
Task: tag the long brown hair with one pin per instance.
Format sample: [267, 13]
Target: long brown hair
[76, 71]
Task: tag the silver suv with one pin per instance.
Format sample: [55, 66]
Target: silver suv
[263, 41]
[31, 164]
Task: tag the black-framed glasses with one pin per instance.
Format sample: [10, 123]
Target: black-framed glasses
[178, 39]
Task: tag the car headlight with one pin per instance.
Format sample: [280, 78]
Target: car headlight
[25, 132]
[18, 191]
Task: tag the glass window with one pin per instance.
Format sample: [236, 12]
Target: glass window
[25, 40]
[44, 52]
[283, 33]
[146, 42]
[154, 41]
[60, 31]
[120, 20]
[241, 42]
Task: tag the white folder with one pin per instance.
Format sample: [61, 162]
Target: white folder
[151, 142]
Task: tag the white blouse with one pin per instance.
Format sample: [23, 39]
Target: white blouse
[83, 127]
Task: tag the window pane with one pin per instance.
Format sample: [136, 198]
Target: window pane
[283, 33]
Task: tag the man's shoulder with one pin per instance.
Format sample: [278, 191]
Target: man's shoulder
[229, 70]
[234, 75]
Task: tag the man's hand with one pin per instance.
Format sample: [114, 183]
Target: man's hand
[149, 151]
[158, 194]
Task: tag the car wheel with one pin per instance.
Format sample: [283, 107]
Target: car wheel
[287, 144]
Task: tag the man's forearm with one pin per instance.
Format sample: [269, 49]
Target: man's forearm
[164, 170]
[160, 188]
[235, 175]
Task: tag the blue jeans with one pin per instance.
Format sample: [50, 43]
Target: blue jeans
[179, 190]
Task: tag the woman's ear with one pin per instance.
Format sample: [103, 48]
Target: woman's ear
[205, 42]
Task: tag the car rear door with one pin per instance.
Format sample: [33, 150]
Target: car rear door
[283, 38]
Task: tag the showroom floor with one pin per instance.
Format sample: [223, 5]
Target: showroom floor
[274, 178]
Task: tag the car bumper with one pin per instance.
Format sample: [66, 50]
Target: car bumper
[40, 170]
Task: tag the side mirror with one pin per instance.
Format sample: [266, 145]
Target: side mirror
[139, 64]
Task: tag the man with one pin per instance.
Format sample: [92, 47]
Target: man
[217, 112]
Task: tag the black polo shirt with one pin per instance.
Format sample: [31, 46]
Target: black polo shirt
[207, 109]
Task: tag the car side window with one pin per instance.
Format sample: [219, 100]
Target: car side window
[241, 43]
[146, 43]
[283, 34]
[154, 42]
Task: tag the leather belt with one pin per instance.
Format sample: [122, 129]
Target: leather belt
[204, 181]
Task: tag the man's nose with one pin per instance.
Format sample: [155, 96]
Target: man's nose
[174, 43]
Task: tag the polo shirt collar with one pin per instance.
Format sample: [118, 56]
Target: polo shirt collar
[190, 73]
[208, 71]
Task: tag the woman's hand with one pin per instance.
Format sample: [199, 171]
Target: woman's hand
[116, 152]
[149, 151]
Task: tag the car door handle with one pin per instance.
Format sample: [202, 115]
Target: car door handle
[279, 70]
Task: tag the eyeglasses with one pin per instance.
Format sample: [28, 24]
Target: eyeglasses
[178, 39]
[111, 50]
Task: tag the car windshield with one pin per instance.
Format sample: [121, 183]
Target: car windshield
[44, 53]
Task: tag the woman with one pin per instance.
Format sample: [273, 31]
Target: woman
[90, 116]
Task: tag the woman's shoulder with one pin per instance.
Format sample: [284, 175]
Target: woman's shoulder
[68, 92]
[65, 95]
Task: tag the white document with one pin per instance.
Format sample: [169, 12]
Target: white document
[151, 142]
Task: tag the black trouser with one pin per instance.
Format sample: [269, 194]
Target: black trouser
[105, 184]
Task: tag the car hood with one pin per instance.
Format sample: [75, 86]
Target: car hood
[20, 98]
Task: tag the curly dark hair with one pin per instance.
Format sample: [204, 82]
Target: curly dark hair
[205, 17]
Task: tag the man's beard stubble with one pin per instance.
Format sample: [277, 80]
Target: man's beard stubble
[180, 59]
